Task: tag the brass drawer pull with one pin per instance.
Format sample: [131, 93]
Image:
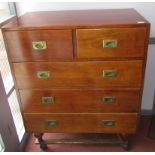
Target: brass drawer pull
[108, 123]
[43, 74]
[39, 45]
[110, 43]
[52, 122]
[48, 100]
[109, 73]
[109, 99]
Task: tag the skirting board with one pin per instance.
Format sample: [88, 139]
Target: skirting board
[145, 112]
[23, 142]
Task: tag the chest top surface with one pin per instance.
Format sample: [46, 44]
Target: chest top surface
[76, 19]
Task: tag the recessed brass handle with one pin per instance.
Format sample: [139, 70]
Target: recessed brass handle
[110, 43]
[48, 100]
[109, 99]
[109, 73]
[39, 45]
[51, 122]
[43, 74]
[108, 123]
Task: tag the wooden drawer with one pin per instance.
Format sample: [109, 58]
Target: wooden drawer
[78, 74]
[79, 101]
[81, 123]
[111, 42]
[24, 46]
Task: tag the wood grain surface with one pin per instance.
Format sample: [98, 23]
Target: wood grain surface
[130, 42]
[81, 123]
[79, 101]
[59, 45]
[78, 74]
[77, 19]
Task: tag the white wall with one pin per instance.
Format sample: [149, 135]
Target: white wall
[4, 10]
[3, 5]
[146, 9]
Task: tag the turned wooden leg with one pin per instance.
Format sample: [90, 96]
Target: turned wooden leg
[125, 139]
[42, 143]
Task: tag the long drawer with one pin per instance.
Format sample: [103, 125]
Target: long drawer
[39, 45]
[111, 42]
[79, 101]
[81, 123]
[96, 74]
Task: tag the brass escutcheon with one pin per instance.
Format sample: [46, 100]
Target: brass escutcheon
[48, 100]
[110, 43]
[39, 45]
[109, 99]
[109, 73]
[43, 74]
[51, 122]
[108, 123]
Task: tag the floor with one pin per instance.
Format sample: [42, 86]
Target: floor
[139, 143]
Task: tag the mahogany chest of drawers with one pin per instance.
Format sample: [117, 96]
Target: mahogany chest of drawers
[79, 71]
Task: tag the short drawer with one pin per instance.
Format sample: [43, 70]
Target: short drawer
[98, 74]
[81, 123]
[39, 45]
[79, 101]
[111, 42]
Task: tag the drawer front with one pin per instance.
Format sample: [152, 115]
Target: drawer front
[81, 123]
[99, 74]
[39, 45]
[111, 42]
[79, 101]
